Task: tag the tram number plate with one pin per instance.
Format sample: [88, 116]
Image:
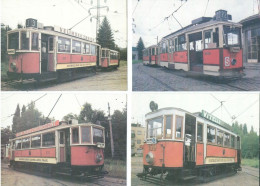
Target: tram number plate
[227, 61]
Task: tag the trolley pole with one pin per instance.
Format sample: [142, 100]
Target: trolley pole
[111, 133]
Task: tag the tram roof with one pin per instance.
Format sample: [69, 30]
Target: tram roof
[196, 114]
[193, 27]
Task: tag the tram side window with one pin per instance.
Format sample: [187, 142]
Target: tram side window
[18, 144]
[168, 127]
[179, 124]
[226, 139]
[207, 39]
[86, 48]
[51, 44]
[24, 41]
[181, 43]
[98, 135]
[176, 44]
[35, 41]
[76, 46]
[26, 143]
[48, 139]
[216, 37]
[75, 135]
[103, 53]
[231, 35]
[164, 47]
[219, 137]
[63, 44]
[232, 141]
[199, 132]
[13, 40]
[155, 128]
[93, 49]
[211, 134]
[36, 141]
[86, 134]
[153, 51]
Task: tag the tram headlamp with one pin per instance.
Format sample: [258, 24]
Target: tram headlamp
[234, 61]
[99, 158]
[149, 158]
[13, 66]
[101, 145]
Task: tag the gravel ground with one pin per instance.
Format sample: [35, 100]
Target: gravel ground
[146, 78]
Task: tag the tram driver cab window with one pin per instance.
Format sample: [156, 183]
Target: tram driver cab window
[211, 134]
[179, 126]
[75, 135]
[168, 127]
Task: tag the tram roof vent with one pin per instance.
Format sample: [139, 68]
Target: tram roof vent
[201, 20]
[73, 121]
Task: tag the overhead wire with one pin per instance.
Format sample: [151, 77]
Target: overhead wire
[245, 110]
[52, 108]
[206, 7]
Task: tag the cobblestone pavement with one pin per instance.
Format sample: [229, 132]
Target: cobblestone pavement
[146, 78]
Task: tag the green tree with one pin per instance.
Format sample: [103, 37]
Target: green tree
[16, 120]
[70, 116]
[4, 30]
[123, 54]
[245, 129]
[153, 106]
[6, 134]
[105, 36]
[86, 113]
[140, 47]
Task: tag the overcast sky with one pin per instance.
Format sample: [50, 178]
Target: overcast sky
[244, 106]
[70, 102]
[66, 13]
[148, 14]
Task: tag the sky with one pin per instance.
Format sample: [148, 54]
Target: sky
[244, 106]
[69, 102]
[148, 14]
[66, 13]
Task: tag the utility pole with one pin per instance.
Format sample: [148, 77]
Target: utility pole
[111, 133]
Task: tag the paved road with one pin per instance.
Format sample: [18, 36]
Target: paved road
[147, 78]
[11, 177]
[249, 176]
[108, 80]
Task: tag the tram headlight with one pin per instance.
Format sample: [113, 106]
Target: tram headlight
[13, 66]
[99, 158]
[149, 158]
[234, 61]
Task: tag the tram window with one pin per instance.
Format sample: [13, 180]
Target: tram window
[36, 141]
[155, 128]
[107, 53]
[48, 139]
[207, 40]
[86, 48]
[18, 144]
[24, 41]
[199, 132]
[13, 40]
[168, 127]
[216, 37]
[35, 37]
[93, 49]
[226, 139]
[219, 137]
[179, 123]
[176, 44]
[153, 51]
[50, 44]
[76, 46]
[75, 135]
[61, 137]
[98, 135]
[164, 47]
[63, 44]
[232, 141]
[86, 134]
[103, 53]
[26, 143]
[231, 35]
[181, 43]
[211, 134]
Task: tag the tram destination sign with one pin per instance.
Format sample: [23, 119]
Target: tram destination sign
[35, 129]
[214, 119]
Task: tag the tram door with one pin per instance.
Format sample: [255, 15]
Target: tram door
[47, 53]
[189, 147]
[62, 146]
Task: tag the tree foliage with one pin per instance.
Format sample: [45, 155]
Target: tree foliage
[153, 106]
[6, 134]
[4, 30]
[105, 35]
[140, 47]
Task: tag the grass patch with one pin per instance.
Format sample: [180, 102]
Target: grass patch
[115, 168]
[123, 63]
[137, 61]
[4, 69]
[251, 162]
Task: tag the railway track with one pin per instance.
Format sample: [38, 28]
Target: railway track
[257, 172]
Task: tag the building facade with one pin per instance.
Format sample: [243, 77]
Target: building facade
[137, 138]
[251, 39]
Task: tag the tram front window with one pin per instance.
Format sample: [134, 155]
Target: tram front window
[232, 36]
[155, 128]
[13, 40]
[98, 135]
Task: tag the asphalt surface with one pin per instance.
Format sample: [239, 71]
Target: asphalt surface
[147, 78]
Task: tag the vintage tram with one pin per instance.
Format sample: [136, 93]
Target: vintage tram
[184, 145]
[150, 55]
[209, 46]
[59, 147]
[109, 58]
[47, 53]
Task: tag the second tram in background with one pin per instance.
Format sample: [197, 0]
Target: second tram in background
[47, 53]
[208, 46]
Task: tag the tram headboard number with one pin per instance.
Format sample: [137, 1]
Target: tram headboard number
[221, 15]
[31, 22]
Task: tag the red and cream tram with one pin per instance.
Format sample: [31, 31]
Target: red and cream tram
[109, 58]
[46, 52]
[178, 142]
[58, 147]
[208, 46]
[150, 55]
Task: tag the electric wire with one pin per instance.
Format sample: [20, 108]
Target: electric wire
[52, 108]
[206, 7]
